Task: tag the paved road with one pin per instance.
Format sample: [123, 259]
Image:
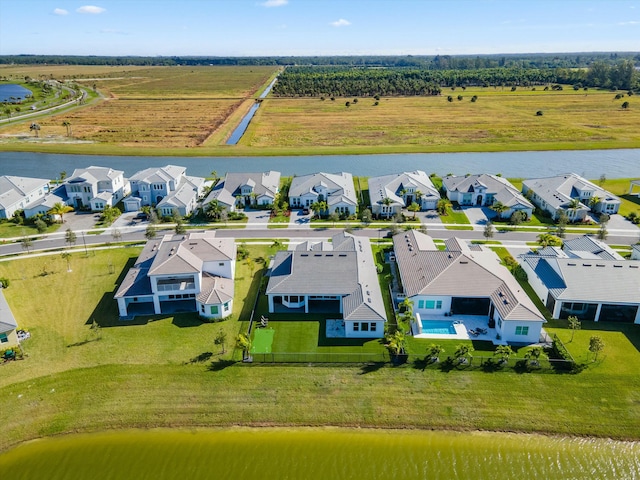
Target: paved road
[136, 233]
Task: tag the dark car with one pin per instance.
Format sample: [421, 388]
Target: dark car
[305, 211]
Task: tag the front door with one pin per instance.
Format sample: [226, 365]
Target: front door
[479, 200]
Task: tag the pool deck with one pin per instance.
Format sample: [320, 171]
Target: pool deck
[462, 325]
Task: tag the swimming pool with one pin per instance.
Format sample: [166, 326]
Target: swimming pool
[438, 327]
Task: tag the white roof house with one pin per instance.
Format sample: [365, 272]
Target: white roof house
[192, 272]
[594, 289]
[465, 281]
[486, 190]
[184, 198]
[337, 189]
[555, 194]
[259, 188]
[338, 276]
[85, 185]
[8, 324]
[389, 194]
[18, 193]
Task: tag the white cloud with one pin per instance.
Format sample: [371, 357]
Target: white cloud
[91, 9]
[629, 23]
[274, 3]
[60, 11]
[341, 23]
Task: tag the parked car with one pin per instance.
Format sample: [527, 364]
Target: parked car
[305, 211]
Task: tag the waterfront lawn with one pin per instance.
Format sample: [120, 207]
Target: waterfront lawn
[168, 372]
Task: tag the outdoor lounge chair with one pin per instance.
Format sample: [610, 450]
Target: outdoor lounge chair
[473, 333]
[483, 331]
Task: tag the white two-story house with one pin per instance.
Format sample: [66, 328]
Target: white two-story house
[18, 193]
[181, 273]
[389, 194]
[95, 188]
[336, 189]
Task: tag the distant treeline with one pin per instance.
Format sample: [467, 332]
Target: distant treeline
[429, 62]
[368, 81]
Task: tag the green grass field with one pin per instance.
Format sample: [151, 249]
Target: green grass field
[167, 371]
[262, 340]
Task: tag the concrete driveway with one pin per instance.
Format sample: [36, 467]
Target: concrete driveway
[429, 216]
[478, 215]
[299, 219]
[257, 219]
[80, 220]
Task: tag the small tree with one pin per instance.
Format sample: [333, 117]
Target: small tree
[67, 256]
[179, 228]
[574, 324]
[243, 342]
[533, 356]
[414, 207]
[488, 231]
[602, 232]
[40, 225]
[116, 235]
[596, 345]
[26, 243]
[70, 237]
[625, 105]
[366, 216]
[503, 352]
[434, 351]
[150, 233]
[462, 353]
[221, 340]
[563, 220]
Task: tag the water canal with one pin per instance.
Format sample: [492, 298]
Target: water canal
[330, 453]
[242, 126]
[588, 163]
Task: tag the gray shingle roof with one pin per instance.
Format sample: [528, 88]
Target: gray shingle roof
[185, 193]
[340, 186]
[263, 183]
[502, 190]
[611, 281]
[558, 191]
[456, 273]
[389, 186]
[7, 320]
[13, 189]
[347, 270]
[215, 290]
[578, 246]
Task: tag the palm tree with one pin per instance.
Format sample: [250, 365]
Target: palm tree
[67, 124]
[319, 207]
[414, 207]
[396, 343]
[386, 201]
[499, 208]
[488, 231]
[60, 209]
[213, 210]
[548, 240]
[443, 205]
[594, 201]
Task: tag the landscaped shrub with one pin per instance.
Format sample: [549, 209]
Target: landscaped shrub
[4, 282]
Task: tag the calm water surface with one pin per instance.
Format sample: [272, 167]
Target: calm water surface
[10, 90]
[588, 163]
[320, 454]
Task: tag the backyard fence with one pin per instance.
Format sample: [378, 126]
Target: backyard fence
[320, 357]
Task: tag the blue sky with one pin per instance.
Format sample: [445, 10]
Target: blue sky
[316, 27]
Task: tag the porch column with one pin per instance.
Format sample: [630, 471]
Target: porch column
[597, 317]
[122, 307]
[156, 305]
[306, 304]
[270, 297]
[340, 303]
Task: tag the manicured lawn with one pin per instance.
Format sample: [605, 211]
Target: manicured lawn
[166, 371]
[12, 230]
[455, 219]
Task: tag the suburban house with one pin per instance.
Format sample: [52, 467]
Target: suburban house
[181, 273]
[463, 280]
[95, 188]
[18, 193]
[571, 194]
[635, 252]
[166, 188]
[8, 324]
[587, 247]
[486, 190]
[246, 189]
[591, 289]
[336, 277]
[336, 189]
[389, 194]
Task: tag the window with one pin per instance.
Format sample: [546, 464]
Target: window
[214, 309]
[221, 264]
[226, 307]
[4, 338]
[522, 330]
[420, 303]
[500, 323]
[438, 304]
[431, 304]
[356, 327]
[202, 308]
[374, 326]
[365, 326]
